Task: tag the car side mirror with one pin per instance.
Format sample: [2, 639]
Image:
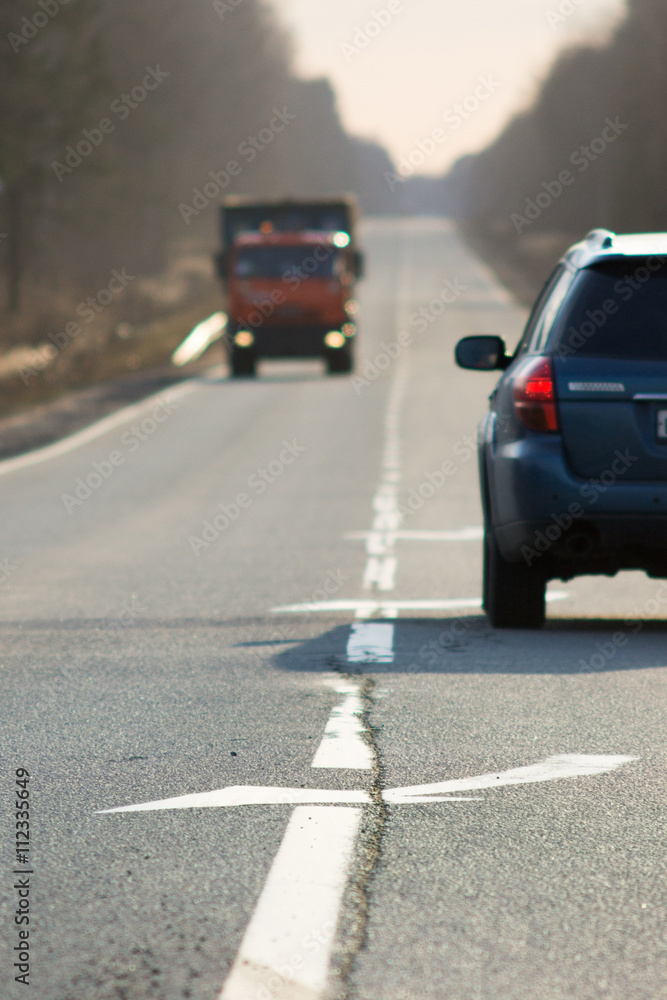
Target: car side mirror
[484, 354]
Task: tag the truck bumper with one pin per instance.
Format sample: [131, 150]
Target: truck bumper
[288, 342]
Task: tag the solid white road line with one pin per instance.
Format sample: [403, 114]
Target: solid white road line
[98, 429]
[343, 744]
[375, 608]
[377, 541]
[287, 947]
[372, 642]
[370, 608]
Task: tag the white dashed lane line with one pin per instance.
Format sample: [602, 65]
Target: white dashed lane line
[381, 564]
[372, 642]
[343, 744]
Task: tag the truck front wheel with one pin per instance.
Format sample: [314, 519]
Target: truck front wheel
[340, 361]
[243, 362]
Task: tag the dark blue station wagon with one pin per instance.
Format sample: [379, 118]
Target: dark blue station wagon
[573, 451]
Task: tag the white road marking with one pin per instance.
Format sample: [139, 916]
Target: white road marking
[97, 430]
[371, 643]
[380, 573]
[287, 947]
[369, 608]
[248, 795]
[552, 769]
[377, 541]
[343, 744]
[203, 335]
[388, 609]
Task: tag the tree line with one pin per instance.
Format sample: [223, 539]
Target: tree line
[124, 124]
[591, 151]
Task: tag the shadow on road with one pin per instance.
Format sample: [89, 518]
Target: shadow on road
[470, 645]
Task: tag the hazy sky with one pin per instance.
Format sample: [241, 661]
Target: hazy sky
[430, 56]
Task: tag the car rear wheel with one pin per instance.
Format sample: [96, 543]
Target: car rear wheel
[514, 594]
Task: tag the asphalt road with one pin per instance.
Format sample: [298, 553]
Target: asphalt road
[143, 659]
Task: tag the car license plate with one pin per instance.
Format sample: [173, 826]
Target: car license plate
[662, 425]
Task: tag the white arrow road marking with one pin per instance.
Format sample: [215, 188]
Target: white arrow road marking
[250, 795]
[286, 949]
[343, 744]
[552, 769]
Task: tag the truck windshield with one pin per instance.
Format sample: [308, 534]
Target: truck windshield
[277, 262]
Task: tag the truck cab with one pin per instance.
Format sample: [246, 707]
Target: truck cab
[291, 292]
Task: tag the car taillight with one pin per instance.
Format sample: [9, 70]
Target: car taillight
[535, 396]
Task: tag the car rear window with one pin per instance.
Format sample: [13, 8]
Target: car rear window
[616, 309]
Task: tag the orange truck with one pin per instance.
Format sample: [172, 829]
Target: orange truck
[289, 269]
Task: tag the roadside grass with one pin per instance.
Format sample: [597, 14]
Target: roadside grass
[104, 352]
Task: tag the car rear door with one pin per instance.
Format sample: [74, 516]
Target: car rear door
[610, 365]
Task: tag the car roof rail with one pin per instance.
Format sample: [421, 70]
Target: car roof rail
[603, 237]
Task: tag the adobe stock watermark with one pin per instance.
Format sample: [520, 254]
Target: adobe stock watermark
[122, 107]
[464, 450]
[130, 442]
[373, 368]
[582, 159]
[88, 310]
[248, 151]
[292, 279]
[31, 26]
[591, 493]
[596, 319]
[291, 631]
[6, 569]
[564, 10]
[432, 654]
[454, 118]
[225, 7]
[124, 617]
[606, 651]
[366, 33]
[258, 483]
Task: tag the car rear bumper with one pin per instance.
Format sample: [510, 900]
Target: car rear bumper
[543, 514]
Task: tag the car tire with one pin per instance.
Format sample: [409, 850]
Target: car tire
[243, 363]
[514, 594]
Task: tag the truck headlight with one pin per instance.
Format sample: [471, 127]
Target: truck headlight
[244, 338]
